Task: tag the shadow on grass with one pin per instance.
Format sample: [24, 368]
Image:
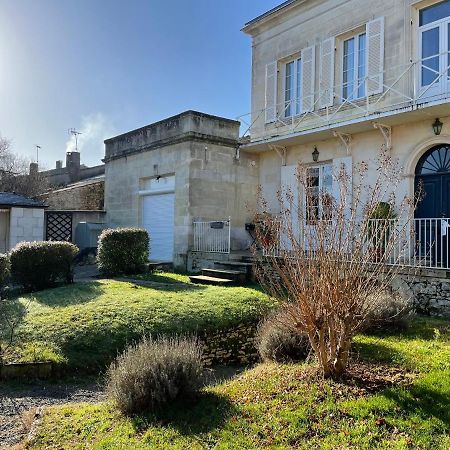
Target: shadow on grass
[163, 283]
[12, 312]
[72, 294]
[422, 401]
[376, 351]
[204, 413]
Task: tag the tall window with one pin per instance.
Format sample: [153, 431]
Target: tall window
[434, 45]
[319, 193]
[354, 67]
[293, 88]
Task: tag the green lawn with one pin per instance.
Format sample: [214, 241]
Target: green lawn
[86, 324]
[280, 407]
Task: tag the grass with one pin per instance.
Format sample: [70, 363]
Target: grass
[86, 324]
[279, 407]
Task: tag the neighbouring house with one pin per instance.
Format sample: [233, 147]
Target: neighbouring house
[21, 219]
[348, 77]
[176, 177]
[76, 197]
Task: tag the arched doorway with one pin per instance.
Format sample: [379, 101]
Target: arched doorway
[432, 177]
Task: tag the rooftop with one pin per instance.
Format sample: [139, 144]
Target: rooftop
[12, 199]
[269, 13]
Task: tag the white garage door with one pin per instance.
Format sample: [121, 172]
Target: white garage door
[158, 220]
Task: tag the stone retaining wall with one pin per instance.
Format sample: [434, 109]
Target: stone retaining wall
[231, 346]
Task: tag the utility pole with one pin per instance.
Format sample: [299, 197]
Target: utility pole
[73, 132]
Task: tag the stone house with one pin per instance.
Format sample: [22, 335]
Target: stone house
[21, 219]
[347, 78]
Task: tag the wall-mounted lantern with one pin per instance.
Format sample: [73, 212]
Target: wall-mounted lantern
[315, 154]
[437, 127]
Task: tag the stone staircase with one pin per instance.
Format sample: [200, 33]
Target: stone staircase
[238, 270]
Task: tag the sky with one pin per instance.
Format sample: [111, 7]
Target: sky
[105, 67]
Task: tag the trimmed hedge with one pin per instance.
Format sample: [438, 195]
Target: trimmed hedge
[4, 268]
[39, 265]
[123, 251]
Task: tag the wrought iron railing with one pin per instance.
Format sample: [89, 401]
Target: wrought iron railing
[402, 88]
[212, 236]
[418, 243]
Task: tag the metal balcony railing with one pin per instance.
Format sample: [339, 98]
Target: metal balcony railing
[402, 89]
[419, 243]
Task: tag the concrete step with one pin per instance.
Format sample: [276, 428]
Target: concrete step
[203, 279]
[235, 275]
[240, 266]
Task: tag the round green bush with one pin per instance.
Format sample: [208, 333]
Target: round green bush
[153, 372]
[38, 265]
[278, 339]
[123, 251]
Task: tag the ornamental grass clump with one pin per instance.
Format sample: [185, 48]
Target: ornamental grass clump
[148, 375]
[278, 339]
[123, 251]
[324, 259]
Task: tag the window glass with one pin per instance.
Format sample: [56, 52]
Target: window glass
[361, 65]
[319, 200]
[289, 88]
[435, 12]
[430, 56]
[349, 68]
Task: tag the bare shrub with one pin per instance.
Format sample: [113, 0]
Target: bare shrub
[328, 255]
[278, 340]
[153, 372]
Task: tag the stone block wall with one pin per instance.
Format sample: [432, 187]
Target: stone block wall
[26, 224]
[78, 197]
[430, 296]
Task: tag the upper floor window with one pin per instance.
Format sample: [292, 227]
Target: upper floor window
[434, 13]
[354, 67]
[293, 88]
[434, 45]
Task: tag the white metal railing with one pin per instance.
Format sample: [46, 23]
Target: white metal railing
[419, 243]
[212, 236]
[401, 89]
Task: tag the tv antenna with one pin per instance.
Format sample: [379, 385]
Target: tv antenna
[73, 132]
[38, 147]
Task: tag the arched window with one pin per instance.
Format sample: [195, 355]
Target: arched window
[435, 161]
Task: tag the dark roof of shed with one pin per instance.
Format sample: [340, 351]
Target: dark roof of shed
[13, 199]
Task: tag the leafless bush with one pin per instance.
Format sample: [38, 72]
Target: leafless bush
[153, 372]
[329, 254]
[278, 339]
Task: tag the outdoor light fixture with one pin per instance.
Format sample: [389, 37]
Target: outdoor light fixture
[315, 154]
[437, 127]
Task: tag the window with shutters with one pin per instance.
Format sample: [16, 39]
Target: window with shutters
[318, 198]
[354, 67]
[292, 87]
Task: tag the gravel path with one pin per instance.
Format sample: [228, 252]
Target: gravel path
[18, 404]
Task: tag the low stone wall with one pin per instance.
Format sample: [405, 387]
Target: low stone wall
[231, 346]
[430, 296]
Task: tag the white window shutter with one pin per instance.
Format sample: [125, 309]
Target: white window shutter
[290, 187]
[375, 56]
[271, 92]
[343, 167]
[326, 91]
[308, 78]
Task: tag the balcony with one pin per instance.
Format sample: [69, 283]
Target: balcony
[402, 100]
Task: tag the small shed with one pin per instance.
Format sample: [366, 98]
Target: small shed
[21, 219]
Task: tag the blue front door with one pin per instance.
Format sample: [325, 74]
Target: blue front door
[433, 183]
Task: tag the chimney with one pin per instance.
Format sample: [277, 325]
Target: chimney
[59, 164]
[73, 165]
[34, 168]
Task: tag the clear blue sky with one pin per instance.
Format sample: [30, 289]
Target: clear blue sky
[109, 66]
